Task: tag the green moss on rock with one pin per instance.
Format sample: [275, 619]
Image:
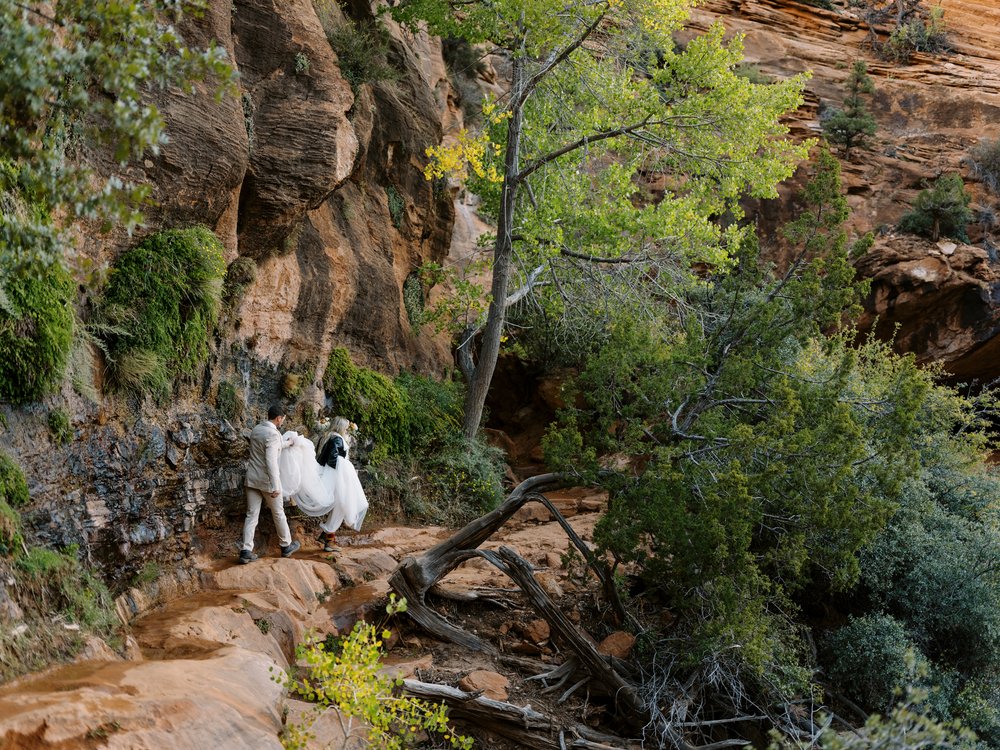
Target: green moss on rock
[36, 333]
[170, 285]
[370, 399]
[13, 486]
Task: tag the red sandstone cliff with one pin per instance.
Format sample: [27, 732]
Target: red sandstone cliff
[929, 112]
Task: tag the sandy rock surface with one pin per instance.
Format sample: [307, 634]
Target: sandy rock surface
[199, 673]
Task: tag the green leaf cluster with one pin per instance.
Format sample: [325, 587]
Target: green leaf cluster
[76, 76]
[36, 331]
[350, 677]
[764, 450]
[170, 288]
[942, 209]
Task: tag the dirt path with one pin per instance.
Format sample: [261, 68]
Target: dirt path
[198, 672]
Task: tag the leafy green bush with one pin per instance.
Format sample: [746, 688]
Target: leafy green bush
[58, 582]
[172, 284]
[370, 399]
[59, 426]
[13, 485]
[942, 209]
[870, 659]
[434, 411]
[36, 333]
[930, 569]
[464, 480]
[984, 160]
[362, 48]
[440, 477]
[349, 676]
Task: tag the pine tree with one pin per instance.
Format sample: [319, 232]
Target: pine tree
[854, 124]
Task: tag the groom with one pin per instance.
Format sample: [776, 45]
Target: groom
[264, 483]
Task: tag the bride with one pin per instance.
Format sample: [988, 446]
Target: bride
[327, 485]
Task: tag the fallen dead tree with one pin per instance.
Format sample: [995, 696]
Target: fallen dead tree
[415, 576]
[523, 725]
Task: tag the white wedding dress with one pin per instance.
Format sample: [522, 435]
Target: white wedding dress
[321, 490]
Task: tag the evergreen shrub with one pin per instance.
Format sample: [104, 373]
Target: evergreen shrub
[942, 209]
[870, 659]
[930, 569]
[36, 333]
[171, 284]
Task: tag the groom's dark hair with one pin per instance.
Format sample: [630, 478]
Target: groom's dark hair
[276, 410]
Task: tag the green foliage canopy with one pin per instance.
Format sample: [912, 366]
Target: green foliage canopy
[762, 456]
[562, 162]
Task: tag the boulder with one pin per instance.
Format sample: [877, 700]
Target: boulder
[491, 684]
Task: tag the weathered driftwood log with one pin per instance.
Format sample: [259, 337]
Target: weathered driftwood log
[415, 575]
[523, 725]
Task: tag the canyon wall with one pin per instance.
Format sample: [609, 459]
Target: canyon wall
[939, 300]
[320, 184]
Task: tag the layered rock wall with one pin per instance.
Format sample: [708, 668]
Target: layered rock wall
[930, 112]
[320, 184]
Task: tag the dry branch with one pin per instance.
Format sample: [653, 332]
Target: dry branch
[523, 725]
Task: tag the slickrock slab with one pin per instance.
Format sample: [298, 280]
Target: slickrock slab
[225, 701]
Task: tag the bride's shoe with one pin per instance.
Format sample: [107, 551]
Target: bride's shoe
[329, 540]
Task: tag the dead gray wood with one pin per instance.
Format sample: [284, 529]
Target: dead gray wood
[416, 575]
[520, 724]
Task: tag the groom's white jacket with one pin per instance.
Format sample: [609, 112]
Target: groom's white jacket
[262, 465]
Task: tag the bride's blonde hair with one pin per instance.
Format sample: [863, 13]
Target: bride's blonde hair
[340, 425]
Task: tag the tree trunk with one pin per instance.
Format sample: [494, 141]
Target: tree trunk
[525, 726]
[489, 348]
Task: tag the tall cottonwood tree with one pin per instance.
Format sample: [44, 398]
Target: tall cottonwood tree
[602, 104]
